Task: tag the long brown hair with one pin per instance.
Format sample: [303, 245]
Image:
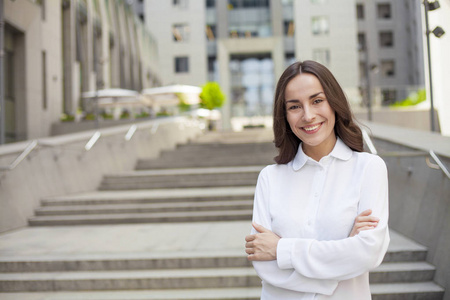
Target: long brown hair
[345, 127]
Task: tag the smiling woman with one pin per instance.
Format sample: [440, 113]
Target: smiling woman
[321, 213]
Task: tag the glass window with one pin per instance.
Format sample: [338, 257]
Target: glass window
[232, 4]
[388, 68]
[362, 41]
[386, 39]
[322, 56]
[180, 32]
[289, 28]
[181, 64]
[389, 96]
[319, 1]
[320, 25]
[210, 3]
[180, 3]
[360, 12]
[384, 11]
[211, 32]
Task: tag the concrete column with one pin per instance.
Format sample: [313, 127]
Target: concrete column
[222, 19]
[223, 58]
[276, 10]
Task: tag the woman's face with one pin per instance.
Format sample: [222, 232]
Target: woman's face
[310, 116]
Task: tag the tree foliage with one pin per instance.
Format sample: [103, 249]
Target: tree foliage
[211, 96]
[413, 99]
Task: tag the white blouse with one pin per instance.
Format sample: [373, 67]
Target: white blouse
[312, 206]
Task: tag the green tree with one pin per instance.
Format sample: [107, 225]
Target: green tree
[211, 96]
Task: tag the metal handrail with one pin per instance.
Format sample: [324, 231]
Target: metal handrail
[369, 142]
[89, 145]
[438, 165]
[92, 141]
[130, 132]
[21, 157]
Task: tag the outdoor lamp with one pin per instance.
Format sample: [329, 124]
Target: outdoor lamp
[438, 32]
[433, 5]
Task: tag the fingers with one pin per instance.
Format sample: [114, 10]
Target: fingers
[250, 238]
[260, 228]
[367, 212]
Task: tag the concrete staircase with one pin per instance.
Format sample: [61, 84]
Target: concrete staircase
[172, 229]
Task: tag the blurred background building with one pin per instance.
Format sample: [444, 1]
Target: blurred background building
[56, 50]
[246, 44]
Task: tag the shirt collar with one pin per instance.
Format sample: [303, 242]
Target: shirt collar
[340, 151]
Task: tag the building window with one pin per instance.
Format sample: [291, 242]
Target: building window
[362, 41]
[389, 96]
[320, 25]
[322, 56]
[180, 3]
[210, 3]
[43, 7]
[388, 68]
[386, 39]
[211, 62]
[211, 32]
[232, 4]
[289, 28]
[384, 10]
[319, 1]
[181, 64]
[180, 32]
[360, 11]
[44, 80]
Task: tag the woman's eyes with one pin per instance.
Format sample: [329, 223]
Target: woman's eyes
[316, 101]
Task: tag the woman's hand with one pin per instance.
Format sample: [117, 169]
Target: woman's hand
[364, 221]
[261, 246]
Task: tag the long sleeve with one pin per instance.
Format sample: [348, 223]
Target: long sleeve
[269, 271]
[349, 257]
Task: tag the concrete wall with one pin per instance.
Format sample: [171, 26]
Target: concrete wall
[60, 165]
[404, 117]
[160, 16]
[340, 41]
[419, 195]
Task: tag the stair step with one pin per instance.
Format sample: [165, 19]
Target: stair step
[153, 196]
[190, 162]
[407, 291]
[121, 280]
[194, 216]
[403, 272]
[385, 291]
[183, 178]
[143, 261]
[179, 278]
[178, 294]
[144, 208]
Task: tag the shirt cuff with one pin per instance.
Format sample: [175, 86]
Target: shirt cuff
[284, 251]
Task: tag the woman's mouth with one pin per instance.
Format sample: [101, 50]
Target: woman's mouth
[312, 128]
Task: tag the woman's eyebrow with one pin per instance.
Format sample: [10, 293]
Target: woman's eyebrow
[315, 95]
[310, 97]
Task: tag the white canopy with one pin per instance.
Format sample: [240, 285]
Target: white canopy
[114, 97]
[167, 95]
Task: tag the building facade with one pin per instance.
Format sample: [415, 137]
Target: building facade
[390, 41]
[55, 50]
[246, 44]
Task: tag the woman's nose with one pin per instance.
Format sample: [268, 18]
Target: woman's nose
[308, 114]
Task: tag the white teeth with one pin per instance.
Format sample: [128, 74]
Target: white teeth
[311, 128]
